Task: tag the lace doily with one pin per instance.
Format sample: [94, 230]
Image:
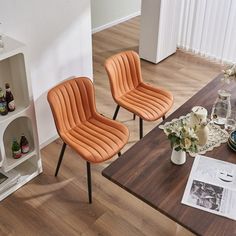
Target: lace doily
[216, 137]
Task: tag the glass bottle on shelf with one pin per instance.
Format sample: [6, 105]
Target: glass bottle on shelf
[24, 144]
[9, 98]
[221, 108]
[16, 150]
[3, 104]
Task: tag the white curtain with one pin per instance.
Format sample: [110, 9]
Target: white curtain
[208, 27]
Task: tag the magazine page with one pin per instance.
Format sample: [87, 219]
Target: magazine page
[215, 171]
[212, 187]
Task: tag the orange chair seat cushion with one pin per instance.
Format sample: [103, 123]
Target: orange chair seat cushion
[148, 102]
[97, 139]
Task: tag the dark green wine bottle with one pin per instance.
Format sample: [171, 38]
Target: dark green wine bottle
[16, 150]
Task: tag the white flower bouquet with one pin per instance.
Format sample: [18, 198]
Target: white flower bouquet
[182, 137]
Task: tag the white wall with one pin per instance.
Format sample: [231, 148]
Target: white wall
[58, 37]
[106, 13]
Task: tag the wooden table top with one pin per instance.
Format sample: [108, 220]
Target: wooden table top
[146, 172]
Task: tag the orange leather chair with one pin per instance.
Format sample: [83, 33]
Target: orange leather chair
[94, 137]
[130, 92]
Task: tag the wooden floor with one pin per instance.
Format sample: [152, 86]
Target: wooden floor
[59, 206]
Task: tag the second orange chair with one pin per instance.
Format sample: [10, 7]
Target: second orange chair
[130, 92]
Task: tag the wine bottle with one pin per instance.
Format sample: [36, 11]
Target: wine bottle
[24, 144]
[9, 98]
[3, 104]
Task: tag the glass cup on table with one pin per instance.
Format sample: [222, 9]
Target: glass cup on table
[230, 123]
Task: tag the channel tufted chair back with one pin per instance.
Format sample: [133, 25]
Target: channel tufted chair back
[72, 104]
[124, 73]
[94, 137]
[130, 92]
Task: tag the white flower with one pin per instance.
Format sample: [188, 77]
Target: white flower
[187, 143]
[192, 133]
[229, 74]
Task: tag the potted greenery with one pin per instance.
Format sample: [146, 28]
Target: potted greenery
[182, 139]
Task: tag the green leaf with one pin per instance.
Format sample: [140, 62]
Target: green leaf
[178, 148]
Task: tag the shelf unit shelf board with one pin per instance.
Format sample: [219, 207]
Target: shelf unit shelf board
[20, 110]
[11, 163]
[11, 48]
[27, 172]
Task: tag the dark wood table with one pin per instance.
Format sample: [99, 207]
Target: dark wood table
[146, 172]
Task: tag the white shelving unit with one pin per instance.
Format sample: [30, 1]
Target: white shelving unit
[14, 70]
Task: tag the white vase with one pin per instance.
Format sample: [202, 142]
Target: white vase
[202, 134]
[178, 157]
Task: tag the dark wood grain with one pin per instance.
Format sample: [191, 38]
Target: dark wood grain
[145, 171]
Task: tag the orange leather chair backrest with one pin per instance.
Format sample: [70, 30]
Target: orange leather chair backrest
[72, 102]
[124, 72]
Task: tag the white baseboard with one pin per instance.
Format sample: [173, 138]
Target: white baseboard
[115, 22]
[50, 140]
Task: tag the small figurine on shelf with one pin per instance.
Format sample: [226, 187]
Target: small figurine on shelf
[16, 150]
[9, 98]
[24, 144]
[3, 104]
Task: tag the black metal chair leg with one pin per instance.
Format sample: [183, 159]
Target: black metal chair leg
[60, 158]
[116, 112]
[140, 127]
[134, 117]
[163, 117]
[89, 182]
[119, 154]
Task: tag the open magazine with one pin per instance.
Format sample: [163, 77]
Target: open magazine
[212, 187]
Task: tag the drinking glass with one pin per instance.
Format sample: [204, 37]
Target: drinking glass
[230, 123]
[221, 108]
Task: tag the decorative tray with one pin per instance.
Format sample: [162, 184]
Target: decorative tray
[216, 137]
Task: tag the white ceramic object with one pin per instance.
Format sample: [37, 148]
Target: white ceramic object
[203, 134]
[178, 157]
[197, 116]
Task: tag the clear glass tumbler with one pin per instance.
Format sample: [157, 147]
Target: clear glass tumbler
[230, 123]
[221, 108]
